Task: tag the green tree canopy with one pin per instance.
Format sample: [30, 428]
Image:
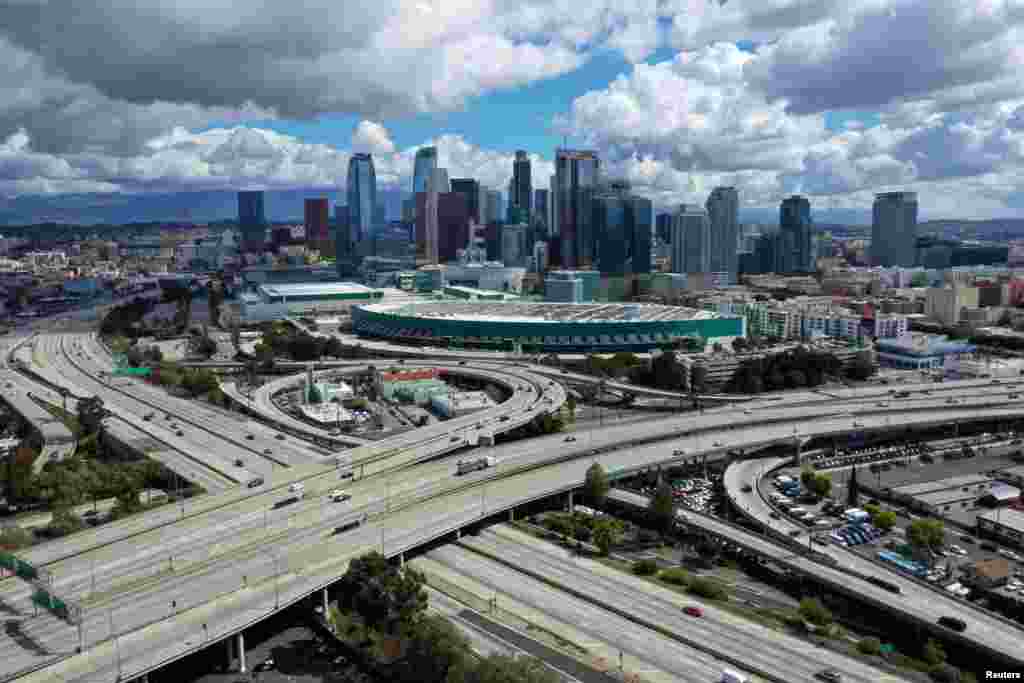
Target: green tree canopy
[606, 534]
[884, 520]
[926, 533]
[596, 485]
[387, 598]
[663, 506]
[813, 611]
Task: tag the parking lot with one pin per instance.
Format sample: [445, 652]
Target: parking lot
[695, 493]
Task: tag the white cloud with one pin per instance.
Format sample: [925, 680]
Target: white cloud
[372, 138]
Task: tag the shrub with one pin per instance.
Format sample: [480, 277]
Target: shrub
[583, 534]
[676, 576]
[813, 611]
[645, 567]
[870, 646]
[707, 588]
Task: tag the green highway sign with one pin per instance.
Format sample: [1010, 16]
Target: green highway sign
[133, 372]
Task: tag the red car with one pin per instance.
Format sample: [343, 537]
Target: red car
[693, 611]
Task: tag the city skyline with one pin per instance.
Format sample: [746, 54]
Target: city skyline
[677, 100]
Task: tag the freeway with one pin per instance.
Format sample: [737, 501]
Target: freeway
[223, 554]
[217, 598]
[758, 647]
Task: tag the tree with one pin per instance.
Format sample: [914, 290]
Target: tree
[507, 669]
[933, 654]
[861, 369]
[796, 379]
[814, 612]
[436, 652]
[645, 568]
[14, 538]
[706, 588]
[869, 646]
[926, 534]
[596, 485]
[90, 413]
[822, 485]
[606, 533]
[884, 520]
[64, 521]
[662, 506]
[214, 299]
[387, 598]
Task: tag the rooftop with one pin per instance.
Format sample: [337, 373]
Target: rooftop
[993, 568]
[544, 312]
[300, 289]
[971, 481]
[1005, 517]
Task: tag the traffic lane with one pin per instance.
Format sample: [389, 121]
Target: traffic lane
[645, 648]
[663, 607]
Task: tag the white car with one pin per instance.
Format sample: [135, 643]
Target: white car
[957, 550]
[338, 496]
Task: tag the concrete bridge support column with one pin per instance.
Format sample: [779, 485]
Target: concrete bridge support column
[511, 514]
[571, 507]
[241, 652]
[229, 643]
[325, 601]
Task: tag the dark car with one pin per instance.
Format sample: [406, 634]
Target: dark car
[747, 488]
[966, 539]
[570, 438]
[773, 515]
[239, 462]
[279, 437]
[991, 547]
[830, 675]
[953, 623]
[253, 483]
[249, 437]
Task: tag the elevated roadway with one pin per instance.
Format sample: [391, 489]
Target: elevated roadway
[421, 508]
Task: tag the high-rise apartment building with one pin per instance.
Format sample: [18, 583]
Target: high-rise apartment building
[576, 176]
[252, 222]
[470, 189]
[622, 229]
[691, 240]
[795, 235]
[521, 191]
[894, 229]
[317, 213]
[723, 212]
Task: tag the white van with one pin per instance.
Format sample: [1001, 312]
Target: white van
[298, 489]
[797, 511]
[730, 676]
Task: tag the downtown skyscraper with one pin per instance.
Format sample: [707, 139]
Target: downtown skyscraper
[252, 221]
[423, 168]
[622, 227]
[361, 192]
[894, 229]
[723, 212]
[796, 246]
[577, 173]
[691, 240]
[521, 188]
